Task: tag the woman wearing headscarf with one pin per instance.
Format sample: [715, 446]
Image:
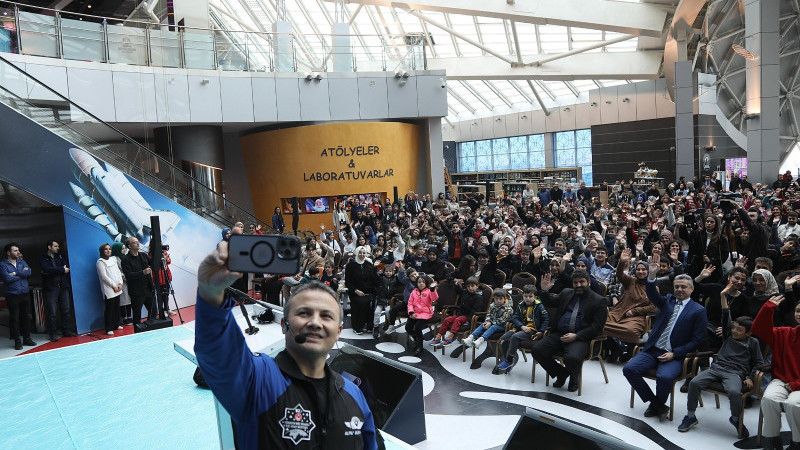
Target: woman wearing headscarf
[764, 285]
[118, 250]
[362, 281]
[626, 320]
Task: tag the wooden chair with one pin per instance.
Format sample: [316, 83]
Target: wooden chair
[394, 300]
[595, 352]
[449, 267]
[689, 365]
[717, 389]
[522, 279]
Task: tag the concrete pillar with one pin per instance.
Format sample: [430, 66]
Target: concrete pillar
[341, 51]
[199, 151]
[684, 120]
[284, 46]
[763, 77]
[436, 154]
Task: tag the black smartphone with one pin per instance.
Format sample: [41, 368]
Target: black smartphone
[271, 253]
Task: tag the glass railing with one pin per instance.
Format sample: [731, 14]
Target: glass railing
[37, 101]
[31, 30]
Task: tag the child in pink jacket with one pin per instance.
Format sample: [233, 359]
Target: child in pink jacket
[420, 309]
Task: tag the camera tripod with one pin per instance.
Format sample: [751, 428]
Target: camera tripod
[167, 292]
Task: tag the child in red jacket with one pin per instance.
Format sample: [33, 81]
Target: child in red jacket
[783, 392]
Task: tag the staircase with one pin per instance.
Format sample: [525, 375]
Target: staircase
[449, 183]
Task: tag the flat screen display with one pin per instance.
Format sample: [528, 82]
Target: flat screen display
[317, 205]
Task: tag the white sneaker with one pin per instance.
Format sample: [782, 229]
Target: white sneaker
[109, 333]
[468, 341]
[119, 327]
[391, 329]
[478, 343]
[171, 312]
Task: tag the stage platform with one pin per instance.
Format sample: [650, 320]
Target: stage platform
[136, 391]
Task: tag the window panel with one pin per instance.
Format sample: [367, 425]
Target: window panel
[537, 160]
[583, 138]
[518, 144]
[565, 158]
[519, 160]
[565, 140]
[584, 156]
[483, 151]
[536, 143]
[500, 154]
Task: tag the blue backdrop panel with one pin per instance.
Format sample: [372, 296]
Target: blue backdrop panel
[101, 204]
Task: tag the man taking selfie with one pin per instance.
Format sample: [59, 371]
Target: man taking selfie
[293, 400]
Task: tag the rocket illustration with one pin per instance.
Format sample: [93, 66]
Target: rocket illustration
[107, 195]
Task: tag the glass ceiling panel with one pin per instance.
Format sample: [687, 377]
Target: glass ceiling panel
[381, 30]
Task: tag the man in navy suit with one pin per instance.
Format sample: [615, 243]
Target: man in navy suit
[679, 329]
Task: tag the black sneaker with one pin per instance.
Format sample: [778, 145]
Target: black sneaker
[652, 410]
[359, 332]
[53, 338]
[17, 344]
[688, 423]
[376, 332]
[560, 381]
[29, 342]
[735, 422]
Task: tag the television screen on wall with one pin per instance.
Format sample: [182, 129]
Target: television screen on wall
[317, 205]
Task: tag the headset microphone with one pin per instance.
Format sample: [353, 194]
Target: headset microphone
[298, 338]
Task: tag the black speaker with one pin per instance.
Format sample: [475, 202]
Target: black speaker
[156, 249]
[155, 244]
[295, 214]
[396, 197]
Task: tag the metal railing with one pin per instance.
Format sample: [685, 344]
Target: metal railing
[36, 31]
[37, 101]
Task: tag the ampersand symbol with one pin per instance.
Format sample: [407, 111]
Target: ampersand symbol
[352, 164]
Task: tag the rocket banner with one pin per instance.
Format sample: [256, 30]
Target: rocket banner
[101, 205]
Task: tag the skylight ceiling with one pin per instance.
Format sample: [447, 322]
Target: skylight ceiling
[381, 30]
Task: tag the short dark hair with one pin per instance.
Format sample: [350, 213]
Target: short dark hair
[737, 269]
[764, 260]
[483, 253]
[8, 247]
[472, 281]
[499, 292]
[745, 321]
[580, 273]
[51, 241]
[530, 289]
[312, 271]
[312, 286]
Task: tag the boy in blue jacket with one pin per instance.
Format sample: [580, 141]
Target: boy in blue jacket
[530, 320]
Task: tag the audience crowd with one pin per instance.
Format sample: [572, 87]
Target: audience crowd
[653, 277]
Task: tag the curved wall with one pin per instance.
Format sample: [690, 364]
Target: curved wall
[329, 160]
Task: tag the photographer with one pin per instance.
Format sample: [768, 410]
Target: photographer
[293, 400]
[707, 245]
[163, 282]
[755, 243]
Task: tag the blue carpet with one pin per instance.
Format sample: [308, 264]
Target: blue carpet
[129, 392]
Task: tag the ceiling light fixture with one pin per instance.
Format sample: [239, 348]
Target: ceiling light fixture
[743, 52]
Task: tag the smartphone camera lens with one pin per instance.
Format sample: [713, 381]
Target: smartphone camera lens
[288, 248]
[262, 254]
